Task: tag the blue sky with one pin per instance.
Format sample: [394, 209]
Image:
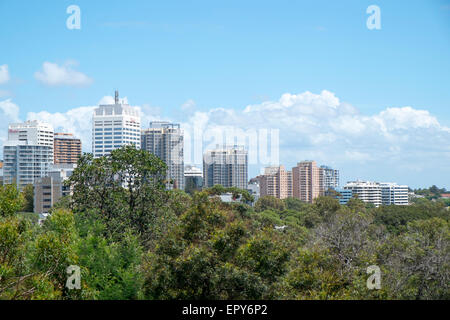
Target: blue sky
[231, 54]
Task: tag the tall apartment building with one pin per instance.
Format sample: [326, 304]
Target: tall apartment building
[67, 148]
[27, 153]
[227, 166]
[49, 189]
[165, 140]
[367, 191]
[306, 181]
[114, 126]
[32, 133]
[329, 177]
[25, 163]
[276, 182]
[379, 193]
[394, 194]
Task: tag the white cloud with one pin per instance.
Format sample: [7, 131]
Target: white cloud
[148, 113]
[9, 112]
[55, 75]
[388, 145]
[188, 106]
[77, 121]
[111, 100]
[407, 118]
[321, 127]
[4, 74]
[357, 156]
[106, 100]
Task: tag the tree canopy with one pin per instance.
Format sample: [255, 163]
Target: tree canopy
[133, 239]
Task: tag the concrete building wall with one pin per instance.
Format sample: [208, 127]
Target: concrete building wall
[50, 189]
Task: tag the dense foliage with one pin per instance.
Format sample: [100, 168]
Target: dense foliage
[133, 239]
[431, 193]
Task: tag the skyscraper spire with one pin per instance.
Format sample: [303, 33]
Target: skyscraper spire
[117, 97]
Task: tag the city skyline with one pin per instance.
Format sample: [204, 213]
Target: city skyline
[145, 129]
[356, 99]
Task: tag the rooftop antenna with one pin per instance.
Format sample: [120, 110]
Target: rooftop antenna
[117, 97]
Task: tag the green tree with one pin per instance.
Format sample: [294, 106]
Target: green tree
[214, 253]
[356, 205]
[396, 218]
[295, 204]
[418, 261]
[237, 194]
[33, 261]
[110, 271]
[11, 200]
[126, 189]
[269, 203]
[28, 195]
[326, 207]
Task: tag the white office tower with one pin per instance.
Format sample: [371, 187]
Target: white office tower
[367, 191]
[394, 194]
[227, 166]
[32, 132]
[27, 153]
[114, 126]
[165, 140]
[330, 178]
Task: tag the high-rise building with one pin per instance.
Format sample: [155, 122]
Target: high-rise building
[306, 182]
[379, 193]
[227, 166]
[114, 126]
[24, 163]
[193, 179]
[276, 182]
[48, 190]
[394, 194]
[165, 140]
[367, 191]
[32, 133]
[28, 153]
[329, 177]
[67, 148]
